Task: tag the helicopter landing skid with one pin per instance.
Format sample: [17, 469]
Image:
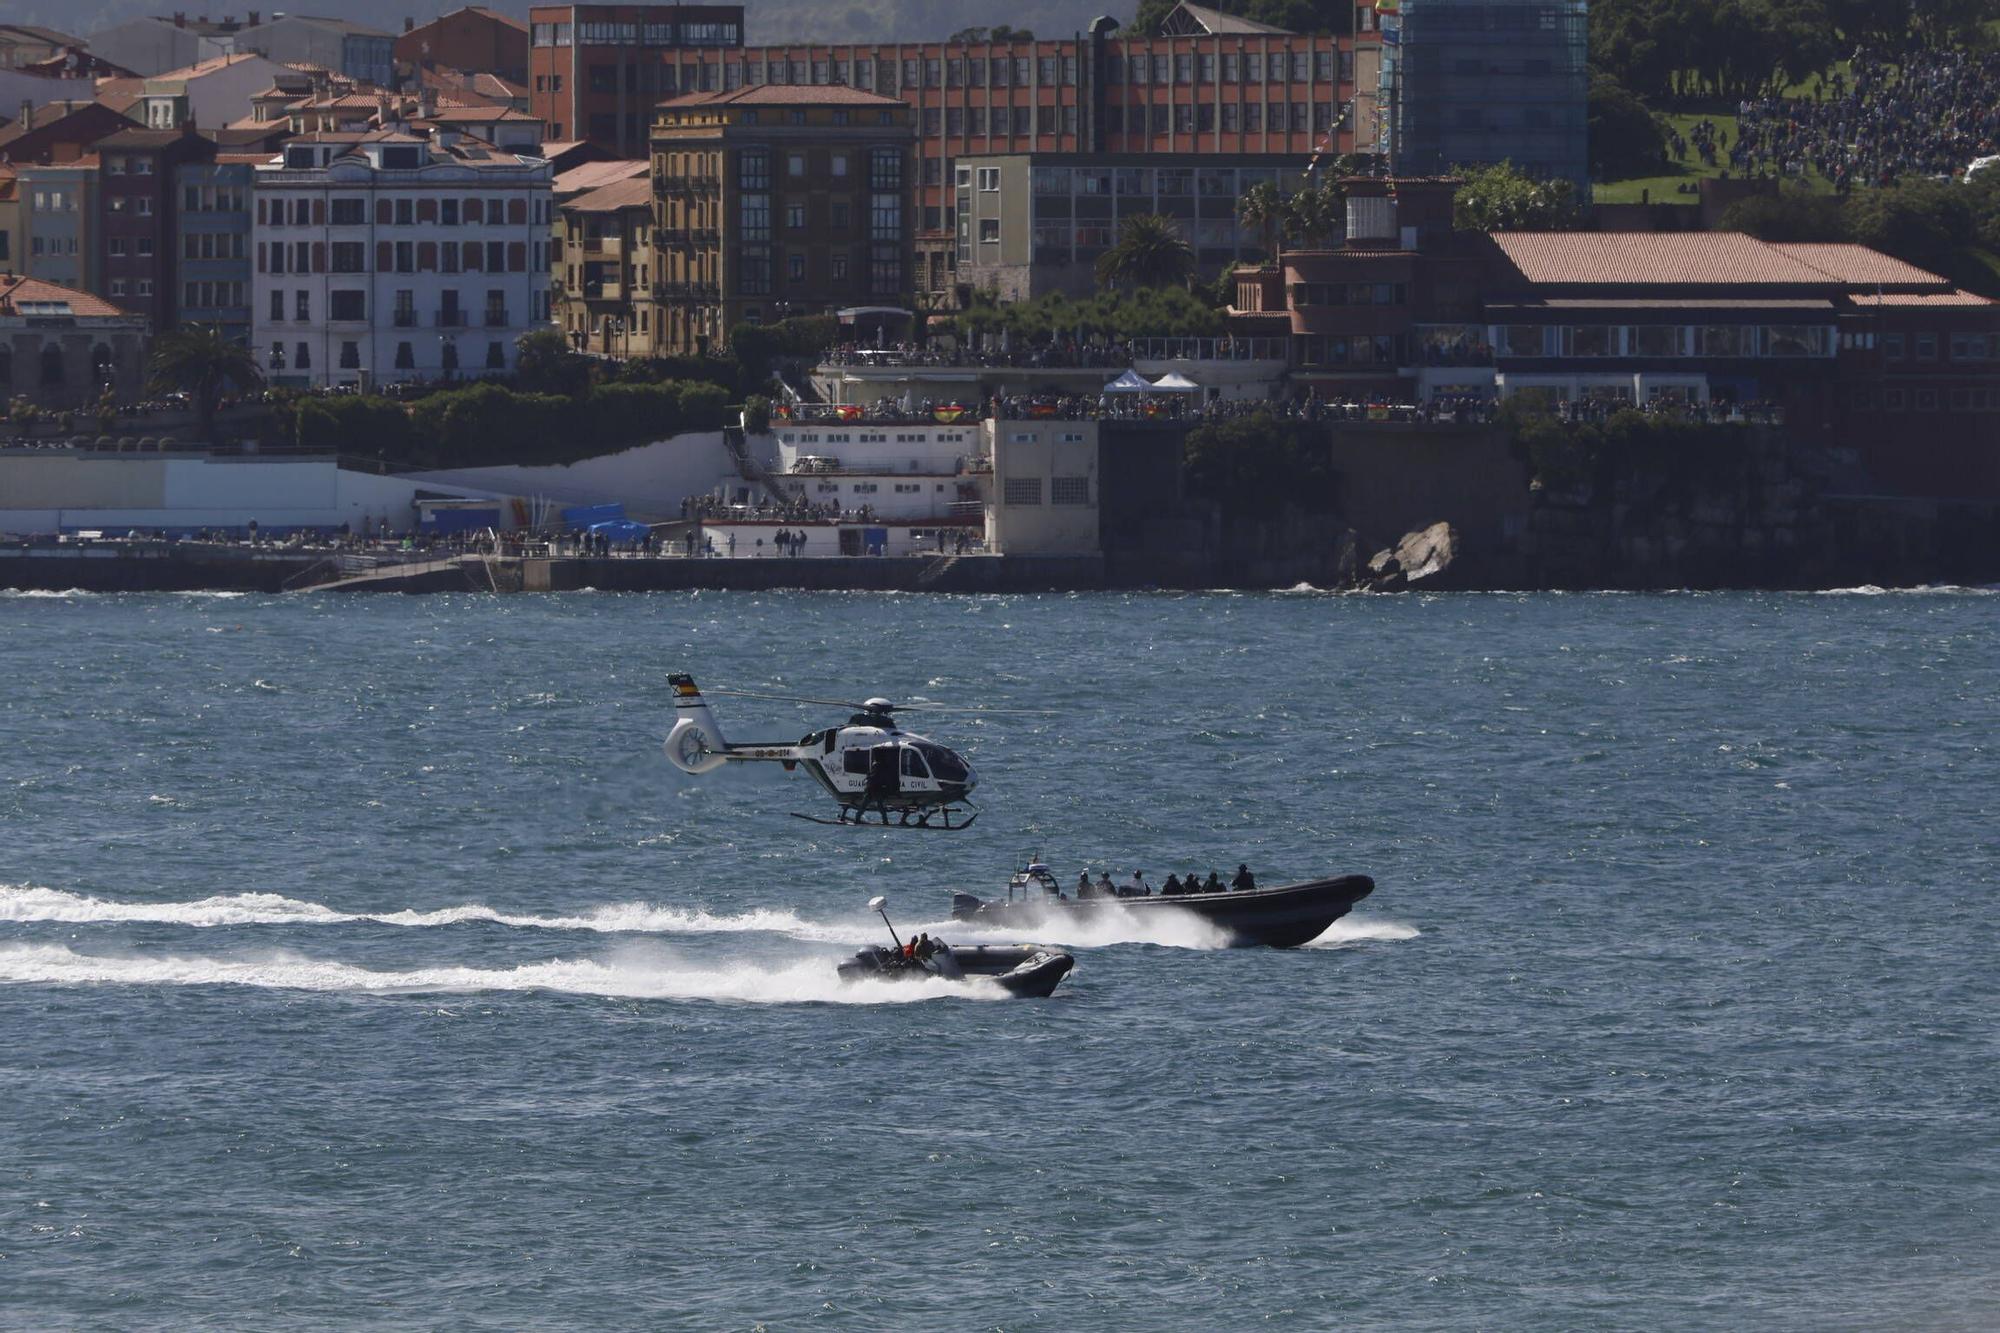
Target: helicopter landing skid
[911, 819]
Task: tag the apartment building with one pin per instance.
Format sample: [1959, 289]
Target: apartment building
[471, 38]
[604, 288]
[596, 71]
[773, 201]
[212, 226]
[384, 257]
[58, 210]
[137, 205]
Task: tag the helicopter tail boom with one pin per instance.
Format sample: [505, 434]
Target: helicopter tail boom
[696, 743]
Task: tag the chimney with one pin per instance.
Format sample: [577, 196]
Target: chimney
[253, 19]
[27, 114]
[180, 18]
[409, 24]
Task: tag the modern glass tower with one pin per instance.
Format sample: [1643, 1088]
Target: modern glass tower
[1478, 81]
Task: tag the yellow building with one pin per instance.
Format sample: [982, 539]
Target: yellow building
[778, 200]
[606, 289]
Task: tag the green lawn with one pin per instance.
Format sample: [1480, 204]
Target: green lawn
[1663, 188]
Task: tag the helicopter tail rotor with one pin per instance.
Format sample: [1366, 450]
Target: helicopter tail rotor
[696, 744]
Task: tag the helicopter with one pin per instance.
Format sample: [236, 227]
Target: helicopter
[870, 765]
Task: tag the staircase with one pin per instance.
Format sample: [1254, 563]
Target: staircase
[749, 468]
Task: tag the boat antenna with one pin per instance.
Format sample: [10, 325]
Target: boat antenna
[878, 903]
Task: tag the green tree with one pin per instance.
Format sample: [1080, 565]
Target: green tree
[1263, 207]
[1317, 214]
[1503, 198]
[200, 361]
[1149, 253]
[1922, 222]
[1248, 464]
[544, 363]
[1788, 215]
[1625, 136]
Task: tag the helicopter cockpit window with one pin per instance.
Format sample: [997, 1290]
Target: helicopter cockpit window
[913, 763]
[944, 764]
[854, 761]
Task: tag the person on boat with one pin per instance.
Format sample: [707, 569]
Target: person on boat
[910, 950]
[1083, 885]
[1172, 888]
[1105, 888]
[1244, 881]
[1139, 888]
[1212, 884]
[926, 947]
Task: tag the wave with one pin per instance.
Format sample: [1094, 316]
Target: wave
[1919, 590]
[27, 903]
[802, 982]
[1362, 930]
[44, 594]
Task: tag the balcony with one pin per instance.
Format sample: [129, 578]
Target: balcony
[405, 319]
[450, 319]
[496, 317]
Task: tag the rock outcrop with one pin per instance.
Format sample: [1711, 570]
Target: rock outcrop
[1420, 558]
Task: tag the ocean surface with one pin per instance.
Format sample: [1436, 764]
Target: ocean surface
[364, 962]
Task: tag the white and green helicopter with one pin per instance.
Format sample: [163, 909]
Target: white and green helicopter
[870, 765]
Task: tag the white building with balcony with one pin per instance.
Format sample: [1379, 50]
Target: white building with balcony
[385, 257]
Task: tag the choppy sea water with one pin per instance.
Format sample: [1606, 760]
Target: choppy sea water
[364, 962]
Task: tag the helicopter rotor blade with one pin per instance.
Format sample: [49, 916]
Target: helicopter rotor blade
[786, 698]
[975, 709]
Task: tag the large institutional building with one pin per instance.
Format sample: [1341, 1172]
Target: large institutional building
[386, 257]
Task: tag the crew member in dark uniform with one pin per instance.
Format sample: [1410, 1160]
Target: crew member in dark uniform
[1244, 881]
[1172, 888]
[1212, 884]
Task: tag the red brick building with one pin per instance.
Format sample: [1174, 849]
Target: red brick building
[136, 235]
[474, 38]
[1221, 86]
[596, 71]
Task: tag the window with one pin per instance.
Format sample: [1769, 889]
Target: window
[841, 216]
[405, 359]
[1892, 346]
[302, 356]
[1926, 399]
[347, 256]
[118, 286]
[1023, 491]
[756, 210]
[496, 356]
[837, 165]
[989, 231]
[753, 169]
[302, 307]
[347, 305]
[145, 206]
[795, 164]
[350, 355]
[1926, 350]
[989, 179]
[885, 169]
[795, 267]
[277, 307]
[115, 247]
[1068, 490]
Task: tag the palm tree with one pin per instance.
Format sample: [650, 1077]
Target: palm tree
[201, 362]
[1149, 253]
[1316, 212]
[1263, 207]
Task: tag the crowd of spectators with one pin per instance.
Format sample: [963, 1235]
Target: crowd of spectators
[1055, 354]
[1929, 113]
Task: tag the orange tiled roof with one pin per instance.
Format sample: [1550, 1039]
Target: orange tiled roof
[1653, 259]
[1859, 264]
[769, 94]
[15, 289]
[611, 198]
[596, 175]
[1933, 299]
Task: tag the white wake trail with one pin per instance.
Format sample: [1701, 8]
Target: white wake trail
[1352, 930]
[28, 903]
[809, 981]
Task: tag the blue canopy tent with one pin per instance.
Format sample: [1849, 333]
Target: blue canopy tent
[621, 530]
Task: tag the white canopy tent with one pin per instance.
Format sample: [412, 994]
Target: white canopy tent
[1129, 382]
[1174, 382]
